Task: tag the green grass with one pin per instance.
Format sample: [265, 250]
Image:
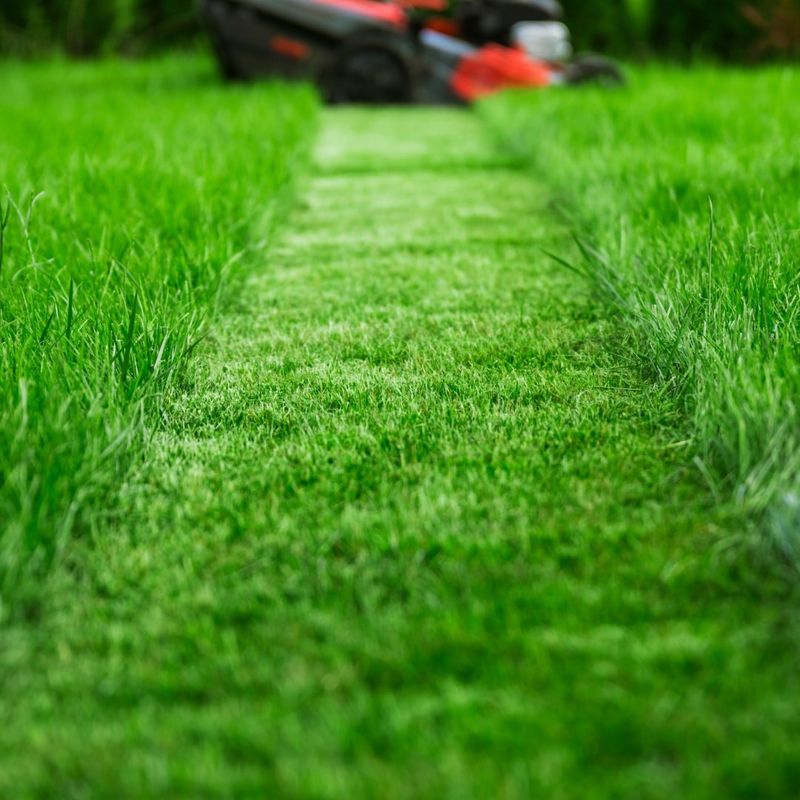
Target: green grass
[684, 191]
[129, 199]
[407, 524]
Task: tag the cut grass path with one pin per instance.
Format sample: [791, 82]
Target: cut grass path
[409, 531]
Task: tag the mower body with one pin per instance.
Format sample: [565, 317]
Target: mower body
[367, 51]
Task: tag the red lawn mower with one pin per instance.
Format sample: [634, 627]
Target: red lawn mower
[418, 51]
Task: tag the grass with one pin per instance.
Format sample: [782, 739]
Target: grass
[131, 194]
[406, 524]
[683, 190]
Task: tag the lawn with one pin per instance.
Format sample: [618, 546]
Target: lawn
[131, 197]
[415, 510]
[685, 198]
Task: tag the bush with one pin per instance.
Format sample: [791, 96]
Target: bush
[730, 30]
[699, 27]
[601, 26]
[727, 29]
[81, 27]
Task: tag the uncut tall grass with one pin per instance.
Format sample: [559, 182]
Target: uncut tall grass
[131, 195]
[684, 192]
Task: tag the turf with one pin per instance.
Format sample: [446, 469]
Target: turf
[684, 192]
[129, 196]
[407, 523]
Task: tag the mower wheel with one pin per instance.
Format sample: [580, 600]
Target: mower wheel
[369, 69]
[227, 67]
[589, 68]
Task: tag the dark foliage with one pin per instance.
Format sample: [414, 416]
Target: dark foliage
[89, 27]
[727, 29]
[730, 30]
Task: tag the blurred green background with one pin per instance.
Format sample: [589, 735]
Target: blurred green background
[729, 30]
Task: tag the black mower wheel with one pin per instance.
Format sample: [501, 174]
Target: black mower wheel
[369, 70]
[592, 69]
[227, 66]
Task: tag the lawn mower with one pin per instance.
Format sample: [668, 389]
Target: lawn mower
[401, 51]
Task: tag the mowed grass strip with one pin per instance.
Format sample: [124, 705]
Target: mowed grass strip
[130, 195]
[409, 530]
[684, 190]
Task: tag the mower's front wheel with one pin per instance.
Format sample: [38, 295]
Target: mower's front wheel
[589, 68]
[227, 66]
[370, 69]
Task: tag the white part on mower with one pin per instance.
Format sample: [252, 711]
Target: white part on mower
[543, 41]
[446, 44]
